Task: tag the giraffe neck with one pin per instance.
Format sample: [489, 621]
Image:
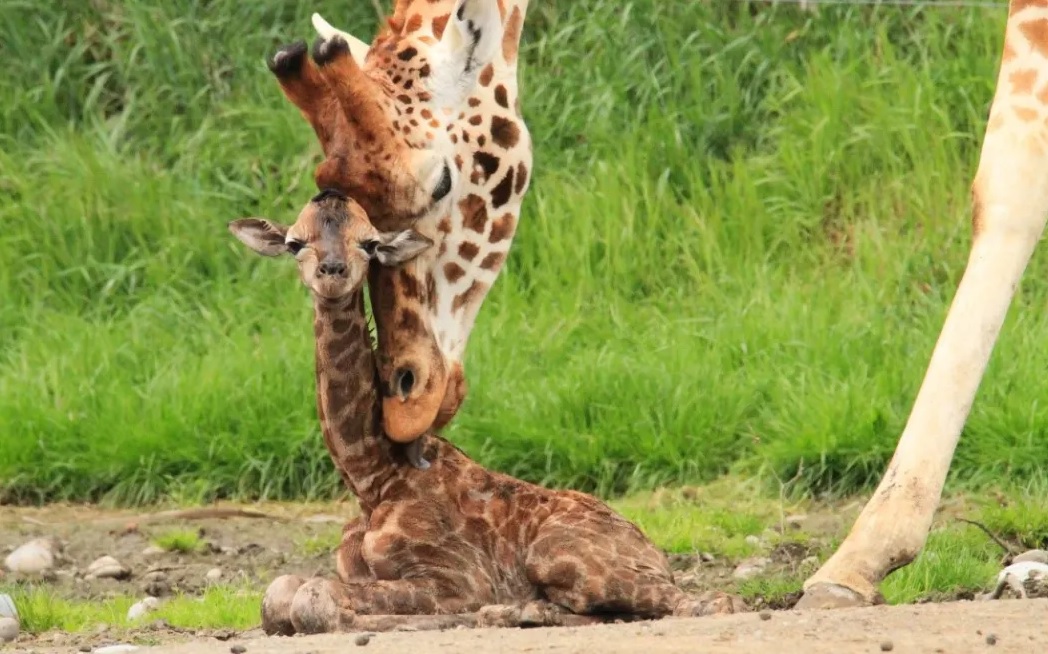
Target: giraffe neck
[347, 397]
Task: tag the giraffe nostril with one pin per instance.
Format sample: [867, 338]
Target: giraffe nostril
[332, 268]
[403, 382]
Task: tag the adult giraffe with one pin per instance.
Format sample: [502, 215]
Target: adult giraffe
[1009, 205]
[423, 129]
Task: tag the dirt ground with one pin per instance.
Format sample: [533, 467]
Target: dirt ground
[298, 539]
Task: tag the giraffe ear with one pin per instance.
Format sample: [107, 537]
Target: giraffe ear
[396, 248]
[261, 235]
[469, 43]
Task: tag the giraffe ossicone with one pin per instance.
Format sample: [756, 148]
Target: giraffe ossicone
[423, 129]
[456, 537]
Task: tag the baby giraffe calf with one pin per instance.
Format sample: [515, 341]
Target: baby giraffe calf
[447, 537]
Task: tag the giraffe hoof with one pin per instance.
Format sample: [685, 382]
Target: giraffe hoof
[326, 50]
[276, 605]
[824, 595]
[288, 59]
[711, 603]
[314, 609]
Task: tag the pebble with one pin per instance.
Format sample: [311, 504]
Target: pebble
[107, 567]
[887, 646]
[153, 550]
[750, 567]
[84, 648]
[363, 639]
[755, 541]
[991, 639]
[1036, 556]
[8, 629]
[214, 574]
[765, 615]
[7, 607]
[156, 584]
[141, 608]
[237, 649]
[33, 557]
[706, 557]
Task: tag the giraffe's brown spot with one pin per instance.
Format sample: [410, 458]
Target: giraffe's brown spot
[1036, 32]
[468, 250]
[414, 122]
[476, 120]
[501, 97]
[425, 96]
[465, 137]
[424, 71]
[502, 228]
[453, 272]
[1009, 52]
[511, 38]
[486, 75]
[503, 190]
[409, 286]
[404, 98]
[504, 133]
[444, 226]
[439, 23]
[562, 574]
[408, 83]
[414, 24]
[522, 178]
[410, 110]
[455, 139]
[474, 213]
[458, 159]
[474, 102]
[425, 113]
[1022, 81]
[1042, 95]
[1018, 5]
[489, 163]
[407, 54]
[1025, 114]
[396, 79]
[409, 322]
[996, 121]
[493, 261]
[467, 296]
[502, 10]
[434, 123]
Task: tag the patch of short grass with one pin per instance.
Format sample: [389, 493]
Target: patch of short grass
[41, 609]
[955, 561]
[186, 541]
[323, 542]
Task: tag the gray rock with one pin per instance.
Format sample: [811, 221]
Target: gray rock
[116, 649]
[755, 541]
[141, 608]
[107, 567]
[751, 567]
[34, 557]
[213, 575]
[7, 607]
[8, 629]
[1035, 556]
[153, 550]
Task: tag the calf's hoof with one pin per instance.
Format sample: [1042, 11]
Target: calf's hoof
[276, 605]
[825, 595]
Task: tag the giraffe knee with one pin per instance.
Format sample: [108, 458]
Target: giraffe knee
[276, 605]
[314, 609]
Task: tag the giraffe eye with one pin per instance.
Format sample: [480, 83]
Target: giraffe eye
[369, 246]
[294, 247]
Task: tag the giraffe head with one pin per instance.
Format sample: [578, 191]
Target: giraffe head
[382, 113]
[423, 129]
[332, 242]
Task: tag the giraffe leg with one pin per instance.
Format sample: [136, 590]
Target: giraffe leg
[306, 89]
[1010, 201]
[349, 563]
[325, 606]
[593, 565]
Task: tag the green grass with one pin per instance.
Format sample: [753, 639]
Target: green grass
[40, 609]
[184, 541]
[744, 229]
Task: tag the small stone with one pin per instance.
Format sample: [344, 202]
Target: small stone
[214, 574]
[33, 557]
[887, 646]
[795, 521]
[8, 629]
[1037, 556]
[991, 639]
[753, 540]
[750, 567]
[362, 639]
[7, 607]
[765, 615]
[107, 567]
[706, 557]
[810, 561]
[153, 550]
[84, 648]
[237, 649]
[141, 608]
